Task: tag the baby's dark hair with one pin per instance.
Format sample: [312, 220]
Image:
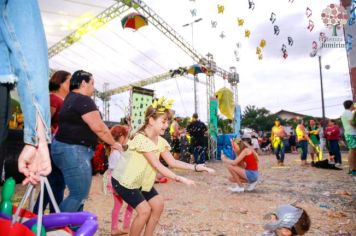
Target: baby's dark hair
[303, 224]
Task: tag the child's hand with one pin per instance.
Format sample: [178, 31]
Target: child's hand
[223, 157]
[234, 146]
[202, 167]
[209, 170]
[186, 181]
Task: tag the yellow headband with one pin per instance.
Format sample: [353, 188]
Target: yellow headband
[161, 105]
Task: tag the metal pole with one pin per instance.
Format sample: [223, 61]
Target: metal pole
[195, 78]
[322, 92]
[195, 94]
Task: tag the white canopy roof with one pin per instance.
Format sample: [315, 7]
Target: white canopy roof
[114, 55]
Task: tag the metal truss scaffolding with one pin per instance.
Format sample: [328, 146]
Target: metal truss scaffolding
[104, 17]
[210, 92]
[122, 6]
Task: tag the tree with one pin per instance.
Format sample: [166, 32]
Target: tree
[184, 122]
[224, 126]
[259, 119]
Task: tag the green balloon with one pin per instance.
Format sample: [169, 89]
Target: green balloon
[6, 208]
[34, 230]
[8, 189]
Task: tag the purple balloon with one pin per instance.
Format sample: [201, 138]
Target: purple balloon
[88, 228]
[87, 221]
[4, 216]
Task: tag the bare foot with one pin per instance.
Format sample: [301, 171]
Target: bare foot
[119, 232]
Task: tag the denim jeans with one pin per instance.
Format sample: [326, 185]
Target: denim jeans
[24, 58]
[56, 180]
[334, 149]
[199, 153]
[279, 151]
[304, 146]
[74, 162]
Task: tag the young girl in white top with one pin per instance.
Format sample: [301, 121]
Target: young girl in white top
[120, 134]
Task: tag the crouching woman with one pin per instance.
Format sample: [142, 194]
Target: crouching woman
[244, 169]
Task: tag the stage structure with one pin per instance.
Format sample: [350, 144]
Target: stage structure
[154, 19]
[233, 80]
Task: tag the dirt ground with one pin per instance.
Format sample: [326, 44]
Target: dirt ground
[209, 208]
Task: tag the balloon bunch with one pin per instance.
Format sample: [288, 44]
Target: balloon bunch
[24, 223]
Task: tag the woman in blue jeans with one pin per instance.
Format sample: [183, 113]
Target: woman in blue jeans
[80, 125]
[59, 89]
[24, 62]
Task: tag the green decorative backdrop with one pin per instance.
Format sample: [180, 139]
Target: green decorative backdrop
[213, 119]
[140, 100]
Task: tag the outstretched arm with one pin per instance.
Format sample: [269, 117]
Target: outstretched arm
[157, 165]
[167, 156]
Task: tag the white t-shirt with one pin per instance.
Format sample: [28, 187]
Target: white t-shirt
[255, 144]
[345, 119]
[114, 158]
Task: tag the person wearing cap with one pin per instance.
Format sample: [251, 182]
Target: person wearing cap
[244, 169]
[288, 220]
[79, 127]
[277, 134]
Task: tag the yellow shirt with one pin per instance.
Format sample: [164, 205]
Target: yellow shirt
[300, 131]
[133, 170]
[277, 140]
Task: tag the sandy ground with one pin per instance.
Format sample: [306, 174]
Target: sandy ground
[209, 208]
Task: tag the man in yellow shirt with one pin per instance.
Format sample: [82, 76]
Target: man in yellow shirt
[277, 135]
[302, 138]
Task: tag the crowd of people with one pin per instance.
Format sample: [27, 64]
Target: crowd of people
[312, 139]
